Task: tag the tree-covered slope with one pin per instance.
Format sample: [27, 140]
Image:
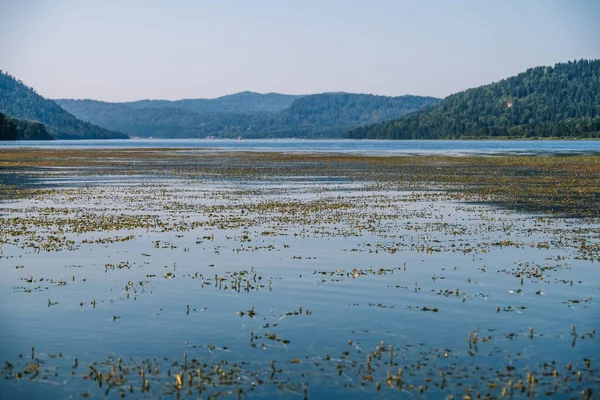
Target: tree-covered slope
[249, 102]
[160, 122]
[238, 103]
[559, 101]
[332, 114]
[319, 115]
[16, 129]
[134, 121]
[21, 102]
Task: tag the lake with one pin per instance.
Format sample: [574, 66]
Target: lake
[367, 147]
[245, 271]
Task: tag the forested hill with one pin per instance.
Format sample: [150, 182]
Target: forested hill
[319, 115]
[21, 102]
[332, 114]
[160, 122]
[238, 103]
[350, 108]
[561, 102]
[16, 129]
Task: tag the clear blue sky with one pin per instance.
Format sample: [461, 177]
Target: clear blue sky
[119, 50]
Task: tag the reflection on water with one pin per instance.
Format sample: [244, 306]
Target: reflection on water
[19, 178]
[296, 288]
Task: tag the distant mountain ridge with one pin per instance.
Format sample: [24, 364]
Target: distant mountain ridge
[332, 114]
[21, 102]
[562, 101]
[237, 103]
[247, 114]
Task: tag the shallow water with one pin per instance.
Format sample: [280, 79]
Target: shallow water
[288, 288]
[366, 147]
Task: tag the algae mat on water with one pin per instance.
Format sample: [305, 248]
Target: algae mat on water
[192, 273]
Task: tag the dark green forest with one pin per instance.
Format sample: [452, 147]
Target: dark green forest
[16, 129]
[544, 102]
[314, 116]
[21, 102]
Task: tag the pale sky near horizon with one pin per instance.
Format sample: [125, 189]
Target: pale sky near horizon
[122, 50]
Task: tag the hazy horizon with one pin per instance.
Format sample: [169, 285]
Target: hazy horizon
[232, 94]
[128, 51]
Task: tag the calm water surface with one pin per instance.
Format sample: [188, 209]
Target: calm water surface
[367, 147]
[289, 288]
